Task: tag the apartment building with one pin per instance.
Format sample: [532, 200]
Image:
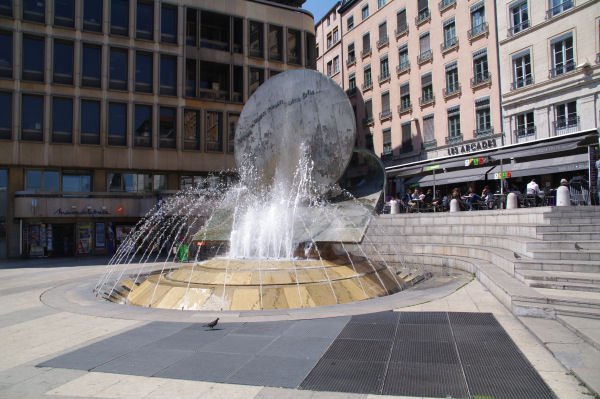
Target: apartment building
[106, 106]
[328, 32]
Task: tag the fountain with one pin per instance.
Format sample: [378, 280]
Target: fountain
[277, 238]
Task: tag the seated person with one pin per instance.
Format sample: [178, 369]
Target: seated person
[417, 198]
[456, 195]
[488, 197]
[428, 198]
[534, 190]
[406, 198]
[471, 198]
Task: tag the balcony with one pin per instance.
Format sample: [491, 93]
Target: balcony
[481, 79]
[350, 61]
[388, 155]
[403, 67]
[562, 7]
[385, 115]
[426, 100]
[446, 4]
[351, 91]
[424, 57]
[561, 69]
[404, 107]
[401, 31]
[366, 52]
[384, 78]
[367, 85]
[423, 16]
[428, 145]
[368, 121]
[449, 44]
[451, 91]
[521, 82]
[483, 132]
[525, 133]
[382, 42]
[566, 125]
[513, 30]
[454, 139]
[478, 31]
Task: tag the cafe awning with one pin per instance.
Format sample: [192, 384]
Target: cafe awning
[457, 176]
[568, 163]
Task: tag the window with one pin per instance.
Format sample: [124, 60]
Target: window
[34, 10]
[275, 43]
[256, 77]
[406, 138]
[405, 97]
[522, 70]
[329, 40]
[352, 83]
[63, 62]
[336, 36]
[401, 25]
[450, 39]
[426, 88]
[350, 22]
[144, 24]
[214, 30]
[329, 68]
[525, 125]
[167, 132]
[191, 27]
[351, 55]
[566, 116]
[336, 64]
[168, 75]
[480, 67]
[519, 17]
[366, 42]
[238, 35]
[214, 131]
[5, 116]
[131, 182]
[117, 124]
[558, 6]
[142, 129]
[256, 40]
[6, 8]
[231, 126]
[424, 47]
[423, 10]
[384, 68]
[385, 105]
[6, 50]
[90, 122]
[75, 182]
[119, 17]
[214, 80]
[317, 49]
[32, 120]
[190, 77]
[428, 129]
[168, 23]
[311, 60]
[42, 180]
[562, 55]
[62, 120]
[403, 62]
[64, 13]
[92, 15]
[387, 142]
[238, 83]
[383, 37]
[117, 73]
[380, 3]
[367, 77]
[483, 117]
[191, 129]
[478, 24]
[294, 46]
[33, 58]
[91, 61]
[452, 85]
[368, 110]
[143, 72]
[365, 12]
[454, 124]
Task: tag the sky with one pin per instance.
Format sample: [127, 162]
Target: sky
[318, 8]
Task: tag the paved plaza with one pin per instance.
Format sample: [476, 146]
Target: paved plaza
[449, 338]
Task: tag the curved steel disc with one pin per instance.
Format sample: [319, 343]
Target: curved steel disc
[292, 108]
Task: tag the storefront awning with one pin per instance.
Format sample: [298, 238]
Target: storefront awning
[544, 166]
[457, 176]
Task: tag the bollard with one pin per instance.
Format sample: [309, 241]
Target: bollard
[394, 207]
[454, 205]
[563, 197]
[511, 201]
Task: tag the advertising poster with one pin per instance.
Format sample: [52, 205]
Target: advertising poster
[100, 236]
[84, 238]
[49, 237]
[35, 247]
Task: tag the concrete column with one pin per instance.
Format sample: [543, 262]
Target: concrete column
[394, 207]
[511, 201]
[454, 205]
[563, 197]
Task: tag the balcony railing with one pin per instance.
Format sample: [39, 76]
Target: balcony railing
[449, 44]
[367, 121]
[561, 69]
[566, 125]
[483, 132]
[452, 90]
[401, 31]
[403, 67]
[427, 145]
[351, 91]
[384, 77]
[525, 133]
[521, 82]
[366, 52]
[385, 115]
[350, 61]
[425, 56]
[367, 85]
[557, 9]
[445, 4]
[479, 30]
[426, 100]
[382, 42]
[518, 28]
[454, 139]
[387, 155]
[481, 79]
[404, 107]
[423, 16]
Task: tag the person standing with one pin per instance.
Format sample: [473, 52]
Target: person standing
[533, 189]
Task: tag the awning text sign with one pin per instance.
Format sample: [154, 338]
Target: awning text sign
[472, 147]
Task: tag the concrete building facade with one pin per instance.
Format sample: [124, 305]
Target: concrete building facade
[107, 105]
[328, 32]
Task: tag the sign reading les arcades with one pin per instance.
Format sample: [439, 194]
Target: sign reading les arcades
[472, 147]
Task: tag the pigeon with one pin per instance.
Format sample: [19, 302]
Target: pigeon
[517, 255]
[577, 247]
[212, 324]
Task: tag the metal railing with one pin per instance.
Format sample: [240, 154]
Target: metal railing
[403, 67]
[423, 16]
[452, 90]
[449, 44]
[383, 77]
[385, 114]
[525, 131]
[454, 139]
[429, 144]
[518, 27]
[351, 91]
[444, 4]
[367, 120]
[365, 52]
[561, 68]
[382, 42]
[367, 85]
[559, 8]
[405, 106]
[426, 99]
[478, 30]
[425, 56]
[401, 30]
[521, 82]
[350, 61]
[566, 125]
[483, 132]
[480, 79]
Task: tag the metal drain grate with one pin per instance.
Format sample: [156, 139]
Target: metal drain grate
[425, 379]
[345, 376]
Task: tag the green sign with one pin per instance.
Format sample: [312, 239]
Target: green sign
[432, 167]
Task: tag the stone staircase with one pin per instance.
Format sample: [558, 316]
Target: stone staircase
[539, 262]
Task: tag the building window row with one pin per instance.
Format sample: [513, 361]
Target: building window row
[566, 120]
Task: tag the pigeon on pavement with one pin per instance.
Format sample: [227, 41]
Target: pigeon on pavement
[212, 324]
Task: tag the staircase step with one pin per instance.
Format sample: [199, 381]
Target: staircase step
[584, 245]
[525, 307]
[558, 276]
[569, 236]
[566, 254]
[565, 286]
[582, 228]
[586, 328]
[571, 298]
[584, 266]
